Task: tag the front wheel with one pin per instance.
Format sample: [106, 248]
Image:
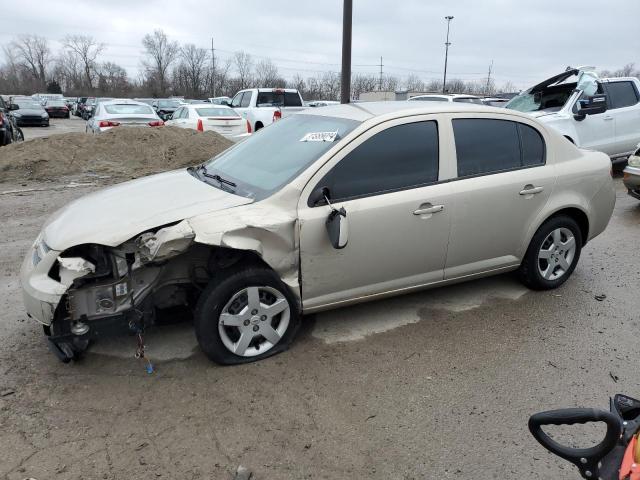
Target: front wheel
[552, 254]
[18, 135]
[247, 316]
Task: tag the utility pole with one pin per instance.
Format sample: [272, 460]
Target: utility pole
[213, 69]
[448, 18]
[345, 81]
[380, 82]
[486, 90]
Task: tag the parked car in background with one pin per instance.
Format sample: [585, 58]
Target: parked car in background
[76, 109]
[5, 124]
[188, 101]
[447, 97]
[206, 116]
[321, 103]
[330, 207]
[495, 101]
[601, 114]
[28, 112]
[57, 109]
[262, 106]
[122, 113]
[220, 100]
[165, 107]
[631, 175]
[86, 110]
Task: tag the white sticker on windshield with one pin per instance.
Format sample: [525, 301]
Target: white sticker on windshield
[320, 137]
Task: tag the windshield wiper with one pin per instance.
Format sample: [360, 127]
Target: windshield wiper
[216, 177]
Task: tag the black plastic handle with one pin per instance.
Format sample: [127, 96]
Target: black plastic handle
[571, 416]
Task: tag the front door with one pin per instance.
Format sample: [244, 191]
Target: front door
[398, 216]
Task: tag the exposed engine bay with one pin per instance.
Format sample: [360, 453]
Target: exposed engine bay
[128, 287]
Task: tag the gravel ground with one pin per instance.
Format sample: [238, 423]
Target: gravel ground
[438, 384]
[56, 127]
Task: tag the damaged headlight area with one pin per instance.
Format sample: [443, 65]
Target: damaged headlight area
[122, 289]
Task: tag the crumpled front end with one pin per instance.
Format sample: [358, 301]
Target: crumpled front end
[92, 290]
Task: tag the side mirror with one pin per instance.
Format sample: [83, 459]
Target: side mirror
[591, 106]
[338, 228]
[13, 106]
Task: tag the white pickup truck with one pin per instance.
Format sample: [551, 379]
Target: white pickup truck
[597, 113]
[263, 106]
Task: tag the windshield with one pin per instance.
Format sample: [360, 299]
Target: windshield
[129, 109]
[216, 112]
[269, 159]
[169, 103]
[55, 103]
[278, 98]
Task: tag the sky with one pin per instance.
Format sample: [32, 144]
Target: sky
[527, 41]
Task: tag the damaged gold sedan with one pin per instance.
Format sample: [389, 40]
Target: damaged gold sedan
[333, 206]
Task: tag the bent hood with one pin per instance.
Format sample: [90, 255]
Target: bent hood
[115, 214]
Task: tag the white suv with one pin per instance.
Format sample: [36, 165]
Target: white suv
[601, 114]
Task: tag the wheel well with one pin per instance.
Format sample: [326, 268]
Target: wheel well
[570, 139]
[581, 219]
[259, 125]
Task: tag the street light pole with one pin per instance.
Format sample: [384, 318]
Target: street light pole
[448, 18]
[345, 83]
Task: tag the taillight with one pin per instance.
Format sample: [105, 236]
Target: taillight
[277, 115]
[156, 123]
[200, 127]
[248, 127]
[107, 123]
[1, 117]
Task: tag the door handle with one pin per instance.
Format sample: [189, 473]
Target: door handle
[531, 190]
[606, 119]
[427, 209]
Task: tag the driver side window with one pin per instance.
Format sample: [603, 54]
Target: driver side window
[398, 158]
[237, 99]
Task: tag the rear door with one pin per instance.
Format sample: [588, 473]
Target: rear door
[502, 183]
[624, 106]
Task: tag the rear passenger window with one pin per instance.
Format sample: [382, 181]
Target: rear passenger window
[486, 146]
[621, 94]
[397, 158]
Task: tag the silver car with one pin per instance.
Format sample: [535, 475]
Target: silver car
[122, 113]
[341, 204]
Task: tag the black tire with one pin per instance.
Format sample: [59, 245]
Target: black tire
[216, 296]
[258, 126]
[529, 271]
[19, 135]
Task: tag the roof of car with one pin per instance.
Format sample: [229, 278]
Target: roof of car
[205, 105]
[366, 110]
[123, 101]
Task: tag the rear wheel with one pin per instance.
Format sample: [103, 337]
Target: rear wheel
[552, 254]
[247, 316]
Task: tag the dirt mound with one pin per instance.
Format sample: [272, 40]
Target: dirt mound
[118, 153]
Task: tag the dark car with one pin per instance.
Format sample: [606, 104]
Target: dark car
[165, 107]
[78, 105]
[5, 126]
[28, 112]
[86, 110]
[57, 109]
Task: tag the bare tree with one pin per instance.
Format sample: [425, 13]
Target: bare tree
[267, 75]
[508, 87]
[161, 54]
[34, 54]
[361, 83]
[113, 80]
[68, 72]
[193, 69]
[413, 83]
[244, 67]
[86, 49]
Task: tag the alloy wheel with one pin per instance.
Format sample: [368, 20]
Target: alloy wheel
[254, 321]
[557, 253]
